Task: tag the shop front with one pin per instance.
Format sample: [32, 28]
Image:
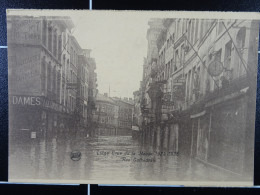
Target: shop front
[34, 117]
[218, 133]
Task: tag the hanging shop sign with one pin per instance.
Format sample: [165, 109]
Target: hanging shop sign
[215, 68]
[178, 92]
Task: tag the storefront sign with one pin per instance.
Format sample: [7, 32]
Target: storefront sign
[52, 105]
[21, 100]
[26, 100]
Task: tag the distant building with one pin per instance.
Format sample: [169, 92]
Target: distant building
[125, 115]
[106, 115]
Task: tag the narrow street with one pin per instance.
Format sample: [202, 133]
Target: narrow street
[103, 156]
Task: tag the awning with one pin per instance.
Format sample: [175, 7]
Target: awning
[198, 114]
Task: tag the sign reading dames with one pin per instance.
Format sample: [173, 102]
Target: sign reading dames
[26, 100]
[22, 100]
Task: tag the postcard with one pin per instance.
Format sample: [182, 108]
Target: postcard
[132, 97]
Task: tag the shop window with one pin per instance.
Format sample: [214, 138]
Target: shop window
[203, 138]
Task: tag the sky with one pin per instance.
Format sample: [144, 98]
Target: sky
[118, 43]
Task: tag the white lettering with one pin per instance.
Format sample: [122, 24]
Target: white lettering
[32, 101]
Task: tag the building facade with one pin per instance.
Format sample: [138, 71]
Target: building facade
[106, 115]
[202, 91]
[42, 62]
[125, 115]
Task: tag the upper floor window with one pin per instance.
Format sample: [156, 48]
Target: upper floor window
[55, 44]
[44, 32]
[59, 47]
[227, 60]
[49, 76]
[43, 74]
[220, 26]
[50, 38]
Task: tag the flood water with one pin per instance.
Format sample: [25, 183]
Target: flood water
[104, 158]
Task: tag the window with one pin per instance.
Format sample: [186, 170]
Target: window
[49, 77]
[218, 55]
[54, 81]
[240, 39]
[58, 85]
[196, 30]
[182, 55]
[192, 31]
[188, 86]
[177, 59]
[189, 30]
[44, 32]
[201, 29]
[50, 39]
[228, 55]
[64, 40]
[59, 48]
[55, 44]
[220, 26]
[172, 65]
[183, 26]
[172, 38]
[43, 74]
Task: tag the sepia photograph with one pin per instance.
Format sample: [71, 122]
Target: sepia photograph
[132, 97]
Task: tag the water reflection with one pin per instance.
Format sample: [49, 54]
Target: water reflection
[103, 158]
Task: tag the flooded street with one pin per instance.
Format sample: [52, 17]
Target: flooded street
[104, 158]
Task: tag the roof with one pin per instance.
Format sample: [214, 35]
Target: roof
[103, 98]
[122, 101]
